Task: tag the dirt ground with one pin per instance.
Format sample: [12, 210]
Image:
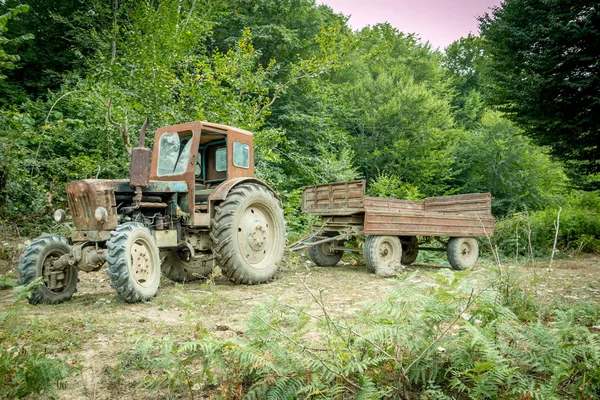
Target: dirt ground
[95, 327]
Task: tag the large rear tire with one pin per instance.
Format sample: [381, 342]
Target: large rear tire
[37, 260]
[321, 254]
[462, 253]
[133, 263]
[248, 233]
[382, 250]
[178, 268]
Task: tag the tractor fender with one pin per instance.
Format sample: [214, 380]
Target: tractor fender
[220, 193]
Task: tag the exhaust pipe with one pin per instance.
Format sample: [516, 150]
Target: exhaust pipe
[139, 169]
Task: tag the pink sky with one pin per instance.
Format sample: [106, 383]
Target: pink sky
[438, 21]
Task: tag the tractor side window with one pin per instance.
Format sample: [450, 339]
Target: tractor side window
[241, 155]
[172, 158]
[221, 160]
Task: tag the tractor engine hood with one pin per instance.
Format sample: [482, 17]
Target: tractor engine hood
[87, 195]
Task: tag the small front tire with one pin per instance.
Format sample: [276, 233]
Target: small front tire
[462, 253]
[133, 263]
[37, 260]
[321, 254]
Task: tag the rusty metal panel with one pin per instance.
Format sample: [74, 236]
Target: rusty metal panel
[422, 223]
[139, 169]
[340, 198]
[477, 202]
[380, 204]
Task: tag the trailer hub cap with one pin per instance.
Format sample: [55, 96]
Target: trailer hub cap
[385, 251]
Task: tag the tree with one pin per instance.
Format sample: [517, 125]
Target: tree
[463, 63]
[497, 158]
[7, 60]
[543, 71]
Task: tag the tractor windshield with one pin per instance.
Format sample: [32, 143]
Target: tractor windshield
[173, 154]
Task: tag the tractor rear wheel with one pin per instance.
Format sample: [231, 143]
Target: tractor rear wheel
[248, 234]
[37, 261]
[177, 267]
[381, 250]
[133, 263]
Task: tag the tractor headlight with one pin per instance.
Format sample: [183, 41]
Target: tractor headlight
[101, 214]
[59, 216]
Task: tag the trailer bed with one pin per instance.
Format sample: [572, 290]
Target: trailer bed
[465, 215]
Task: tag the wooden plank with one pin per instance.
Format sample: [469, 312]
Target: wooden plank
[479, 202]
[376, 203]
[428, 224]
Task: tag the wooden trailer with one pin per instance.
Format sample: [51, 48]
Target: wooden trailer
[392, 229]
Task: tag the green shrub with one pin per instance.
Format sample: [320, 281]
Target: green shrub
[579, 228]
[389, 185]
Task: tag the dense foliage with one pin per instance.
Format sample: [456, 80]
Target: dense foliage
[544, 72]
[325, 103]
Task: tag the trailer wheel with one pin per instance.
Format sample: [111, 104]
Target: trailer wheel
[381, 250]
[410, 249]
[462, 252]
[322, 256]
[176, 266]
[133, 263]
[37, 261]
[248, 234]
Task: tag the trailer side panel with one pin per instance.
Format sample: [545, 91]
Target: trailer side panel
[341, 198]
[423, 223]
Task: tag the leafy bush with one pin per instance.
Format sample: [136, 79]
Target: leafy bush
[389, 185]
[579, 228]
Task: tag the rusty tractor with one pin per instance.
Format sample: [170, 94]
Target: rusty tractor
[191, 204]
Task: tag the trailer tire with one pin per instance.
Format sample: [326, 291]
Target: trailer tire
[179, 270]
[382, 250]
[133, 263]
[321, 255]
[410, 249]
[248, 234]
[35, 262]
[462, 252]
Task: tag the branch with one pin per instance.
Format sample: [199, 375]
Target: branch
[556, 226]
[122, 128]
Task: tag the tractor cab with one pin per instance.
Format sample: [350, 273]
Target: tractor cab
[204, 155]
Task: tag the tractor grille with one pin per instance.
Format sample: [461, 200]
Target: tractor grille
[84, 197]
[80, 205]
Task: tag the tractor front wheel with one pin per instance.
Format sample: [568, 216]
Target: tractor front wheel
[133, 263]
[248, 234]
[38, 261]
